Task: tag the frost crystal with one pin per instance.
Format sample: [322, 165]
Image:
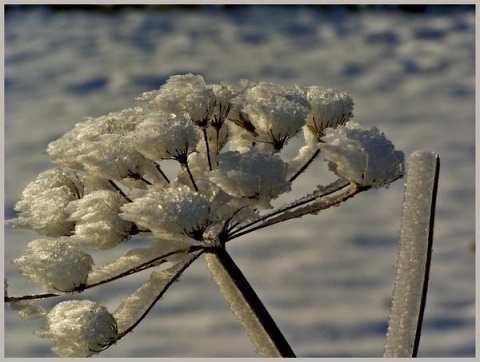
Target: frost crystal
[252, 176]
[329, 107]
[57, 265]
[43, 202]
[79, 328]
[177, 212]
[362, 156]
[97, 221]
[166, 136]
[82, 148]
[274, 113]
[183, 94]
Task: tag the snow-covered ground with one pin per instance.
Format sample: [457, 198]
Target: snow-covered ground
[326, 279]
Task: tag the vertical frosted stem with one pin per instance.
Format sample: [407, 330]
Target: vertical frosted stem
[413, 263]
[246, 305]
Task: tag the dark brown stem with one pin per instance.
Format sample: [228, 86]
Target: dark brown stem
[304, 167]
[149, 264]
[207, 148]
[165, 288]
[246, 305]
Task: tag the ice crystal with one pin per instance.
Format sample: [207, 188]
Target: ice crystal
[174, 212]
[251, 176]
[362, 156]
[97, 221]
[56, 264]
[166, 136]
[79, 328]
[43, 201]
[329, 108]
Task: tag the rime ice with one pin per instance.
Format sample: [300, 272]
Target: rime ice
[79, 328]
[111, 184]
[362, 156]
[55, 264]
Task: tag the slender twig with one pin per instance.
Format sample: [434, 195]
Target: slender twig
[111, 182]
[190, 175]
[328, 190]
[159, 169]
[246, 305]
[146, 181]
[304, 167]
[149, 264]
[320, 204]
[165, 288]
[207, 148]
[428, 259]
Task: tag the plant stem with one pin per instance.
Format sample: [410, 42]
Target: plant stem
[414, 257]
[175, 277]
[149, 264]
[207, 147]
[191, 176]
[328, 190]
[245, 304]
[159, 169]
[318, 204]
[304, 167]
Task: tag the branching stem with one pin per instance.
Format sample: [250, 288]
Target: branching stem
[330, 189]
[207, 148]
[159, 169]
[149, 264]
[304, 167]
[191, 176]
[166, 287]
[319, 204]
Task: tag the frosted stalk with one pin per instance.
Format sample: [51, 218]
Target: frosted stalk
[134, 306]
[246, 306]
[416, 232]
[136, 257]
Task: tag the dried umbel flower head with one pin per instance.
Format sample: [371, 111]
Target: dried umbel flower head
[79, 328]
[362, 156]
[115, 181]
[43, 202]
[329, 109]
[55, 264]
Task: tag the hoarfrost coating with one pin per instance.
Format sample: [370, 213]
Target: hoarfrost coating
[112, 184]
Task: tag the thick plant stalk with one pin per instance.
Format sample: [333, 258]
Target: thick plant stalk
[247, 307]
[413, 264]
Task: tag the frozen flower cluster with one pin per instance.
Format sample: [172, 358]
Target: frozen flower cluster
[113, 181]
[79, 328]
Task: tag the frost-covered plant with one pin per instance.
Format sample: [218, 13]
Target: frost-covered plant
[110, 185]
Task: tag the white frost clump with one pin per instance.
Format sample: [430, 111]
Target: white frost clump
[55, 264]
[97, 221]
[329, 108]
[166, 136]
[79, 328]
[173, 212]
[362, 156]
[256, 177]
[183, 93]
[98, 145]
[275, 113]
[43, 201]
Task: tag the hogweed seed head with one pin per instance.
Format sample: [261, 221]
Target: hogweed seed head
[79, 328]
[110, 185]
[362, 156]
[55, 264]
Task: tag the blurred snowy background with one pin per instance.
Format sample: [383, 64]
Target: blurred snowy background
[326, 279]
